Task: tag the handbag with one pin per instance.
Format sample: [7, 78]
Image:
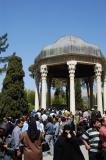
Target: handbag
[45, 147]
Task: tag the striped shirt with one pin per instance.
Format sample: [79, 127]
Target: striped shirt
[92, 136]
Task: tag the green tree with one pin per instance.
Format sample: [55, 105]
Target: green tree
[3, 46]
[31, 70]
[59, 95]
[13, 98]
[31, 99]
[78, 98]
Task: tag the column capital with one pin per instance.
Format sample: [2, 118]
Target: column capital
[43, 71]
[98, 69]
[71, 67]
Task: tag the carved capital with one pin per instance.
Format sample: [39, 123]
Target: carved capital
[71, 67]
[43, 71]
[98, 69]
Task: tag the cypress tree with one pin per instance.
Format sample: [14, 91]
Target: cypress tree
[13, 98]
[3, 46]
[78, 98]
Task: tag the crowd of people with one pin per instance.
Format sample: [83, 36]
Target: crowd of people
[57, 132]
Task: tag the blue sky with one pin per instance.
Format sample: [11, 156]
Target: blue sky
[33, 24]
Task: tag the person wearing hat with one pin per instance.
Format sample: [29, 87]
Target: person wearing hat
[67, 146]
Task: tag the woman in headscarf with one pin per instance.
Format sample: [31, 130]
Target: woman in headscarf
[67, 146]
[32, 141]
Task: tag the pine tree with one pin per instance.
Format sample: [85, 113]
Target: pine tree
[13, 98]
[3, 47]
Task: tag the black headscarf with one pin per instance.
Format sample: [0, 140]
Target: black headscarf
[69, 128]
[32, 131]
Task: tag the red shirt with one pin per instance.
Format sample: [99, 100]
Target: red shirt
[103, 135]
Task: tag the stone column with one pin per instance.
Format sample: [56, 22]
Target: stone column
[91, 92]
[71, 67]
[40, 91]
[36, 99]
[36, 91]
[67, 102]
[104, 92]
[49, 91]
[43, 71]
[98, 71]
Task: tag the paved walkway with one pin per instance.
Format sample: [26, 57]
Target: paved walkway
[85, 152]
[83, 149]
[47, 157]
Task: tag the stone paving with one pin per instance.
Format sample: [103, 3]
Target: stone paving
[83, 149]
[47, 157]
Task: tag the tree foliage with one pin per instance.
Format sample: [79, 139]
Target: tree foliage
[3, 46]
[13, 98]
[31, 99]
[78, 98]
[31, 70]
[59, 95]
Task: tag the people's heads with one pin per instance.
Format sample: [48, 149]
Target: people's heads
[3, 127]
[20, 123]
[66, 113]
[59, 120]
[92, 109]
[33, 133]
[76, 113]
[67, 131]
[32, 123]
[24, 118]
[67, 128]
[50, 119]
[80, 113]
[96, 124]
[98, 115]
[36, 117]
[105, 112]
[95, 107]
[103, 121]
[9, 119]
[63, 119]
[5, 120]
[42, 109]
[55, 119]
[98, 112]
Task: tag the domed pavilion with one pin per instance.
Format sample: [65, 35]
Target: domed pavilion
[70, 57]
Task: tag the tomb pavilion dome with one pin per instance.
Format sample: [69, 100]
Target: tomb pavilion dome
[67, 59]
[70, 45]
